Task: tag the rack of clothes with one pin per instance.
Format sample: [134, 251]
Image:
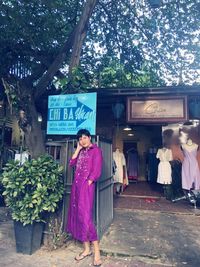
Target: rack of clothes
[132, 164]
[120, 171]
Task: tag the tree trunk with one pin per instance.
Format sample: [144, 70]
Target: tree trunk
[33, 134]
[81, 33]
[74, 42]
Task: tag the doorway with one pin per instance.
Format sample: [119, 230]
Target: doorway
[142, 165]
[132, 160]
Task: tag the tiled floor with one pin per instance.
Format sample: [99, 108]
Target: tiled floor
[144, 189]
[142, 196]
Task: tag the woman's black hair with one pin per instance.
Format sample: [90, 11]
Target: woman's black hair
[82, 132]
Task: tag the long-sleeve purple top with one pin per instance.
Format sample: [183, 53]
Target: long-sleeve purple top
[88, 166]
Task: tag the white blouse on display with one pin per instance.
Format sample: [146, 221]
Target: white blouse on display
[164, 167]
[120, 161]
[164, 154]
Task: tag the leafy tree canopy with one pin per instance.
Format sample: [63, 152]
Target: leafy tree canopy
[32, 32]
[93, 43]
[164, 41]
[127, 36]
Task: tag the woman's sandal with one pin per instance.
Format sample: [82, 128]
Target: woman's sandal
[81, 256]
[97, 263]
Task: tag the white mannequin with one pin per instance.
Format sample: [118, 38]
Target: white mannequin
[164, 168]
[190, 145]
[120, 173]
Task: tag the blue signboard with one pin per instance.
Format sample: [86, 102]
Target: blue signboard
[69, 113]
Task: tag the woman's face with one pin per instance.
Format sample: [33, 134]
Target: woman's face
[85, 141]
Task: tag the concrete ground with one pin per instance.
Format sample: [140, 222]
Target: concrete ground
[155, 237]
[135, 239]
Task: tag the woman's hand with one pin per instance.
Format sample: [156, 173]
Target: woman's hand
[79, 146]
[90, 182]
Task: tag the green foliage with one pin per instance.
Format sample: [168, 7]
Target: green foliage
[164, 40]
[32, 189]
[32, 32]
[76, 83]
[116, 75]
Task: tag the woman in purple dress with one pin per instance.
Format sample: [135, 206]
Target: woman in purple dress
[87, 160]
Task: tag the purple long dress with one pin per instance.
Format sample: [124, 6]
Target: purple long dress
[80, 217]
[190, 170]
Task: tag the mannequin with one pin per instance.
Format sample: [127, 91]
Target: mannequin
[120, 173]
[164, 170]
[190, 168]
[190, 145]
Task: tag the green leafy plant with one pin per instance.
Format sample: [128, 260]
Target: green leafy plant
[32, 189]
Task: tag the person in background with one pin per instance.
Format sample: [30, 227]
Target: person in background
[87, 160]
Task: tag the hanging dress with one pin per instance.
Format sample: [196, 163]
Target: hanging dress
[152, 165]
[132, 164]
[190, 169]
[164, 167]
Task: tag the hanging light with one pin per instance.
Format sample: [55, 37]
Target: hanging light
[130, 134]
[127, 128]
[117, 109]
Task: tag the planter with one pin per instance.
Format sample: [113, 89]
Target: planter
[29, 237]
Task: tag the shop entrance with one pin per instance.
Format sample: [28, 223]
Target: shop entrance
[144, 191]
[147, 113]
[140, 151]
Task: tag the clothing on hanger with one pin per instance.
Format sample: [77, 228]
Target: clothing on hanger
[190, 168]
[132, 164]
[120, 176]
[164, 167]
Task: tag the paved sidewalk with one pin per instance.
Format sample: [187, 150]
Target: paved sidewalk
[135, 239]
[167, 239]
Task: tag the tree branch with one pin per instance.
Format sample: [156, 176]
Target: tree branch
[74, 42]
[81, 33]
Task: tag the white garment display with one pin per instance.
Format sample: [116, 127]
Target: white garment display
[164, 167]
[120, 161]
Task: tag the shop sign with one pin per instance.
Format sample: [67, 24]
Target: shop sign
[157, 109]
[69, 113]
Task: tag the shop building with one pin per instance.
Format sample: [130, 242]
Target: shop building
[124, 122]
[175, 108]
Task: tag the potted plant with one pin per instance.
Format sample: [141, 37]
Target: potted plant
[31, 191]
